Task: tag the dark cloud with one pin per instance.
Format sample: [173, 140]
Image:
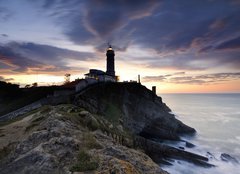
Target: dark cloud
[196, 80]
[187, 35]
[104, 17]
[163, 25]
[4, 35]
[23, 56]
[5, 14]
[89, 21]
[230, 44]
[47, 52]
[16, 61]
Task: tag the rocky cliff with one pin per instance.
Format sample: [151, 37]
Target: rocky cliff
[109, 128]
[136, 107]
[69, 139]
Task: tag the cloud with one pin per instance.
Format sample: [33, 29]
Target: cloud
[5, 14]
[6, 79]
[104, 17]
[161, 78]
[97, 22]
[196, 80]
[4, 35]
[230, 44]
[47, 52]
[186, 35]
[16, 61]
[162, 25]
[21, 57]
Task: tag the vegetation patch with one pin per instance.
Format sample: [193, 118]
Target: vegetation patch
[84, 163]
[38, 119]
[45, 109]
[5, 151]
[90, 141]
[112, 113]
[92, 124]
[31, 126]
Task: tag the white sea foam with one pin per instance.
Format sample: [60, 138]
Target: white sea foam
[216, 117]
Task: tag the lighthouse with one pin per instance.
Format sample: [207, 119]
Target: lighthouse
[110, 61]
[96, 75]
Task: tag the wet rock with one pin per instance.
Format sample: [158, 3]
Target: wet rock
[156, 150]
[210, 155]
[228, 158]
[182, 148]
[189, 145]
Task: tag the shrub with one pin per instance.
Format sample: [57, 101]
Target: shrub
[84, 163]
[31, 126]
[4, 151]
[90, 141]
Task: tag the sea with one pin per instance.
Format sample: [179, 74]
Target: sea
[216, 118]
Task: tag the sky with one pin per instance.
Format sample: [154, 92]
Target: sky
[187, 46]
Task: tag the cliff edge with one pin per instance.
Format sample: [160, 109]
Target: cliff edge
[135, 107]
[107, 128]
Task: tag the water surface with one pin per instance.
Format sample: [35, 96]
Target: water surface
[216, 117]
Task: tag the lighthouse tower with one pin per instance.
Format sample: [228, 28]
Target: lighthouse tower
[110, 61]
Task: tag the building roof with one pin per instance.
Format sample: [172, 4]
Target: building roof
[95, 72]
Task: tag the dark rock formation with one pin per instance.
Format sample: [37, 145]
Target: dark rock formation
[117, 123]
[189, 145]
[228, 158]
[143, 114]
[140, 111]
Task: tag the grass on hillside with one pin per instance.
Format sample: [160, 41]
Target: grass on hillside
[84, 163]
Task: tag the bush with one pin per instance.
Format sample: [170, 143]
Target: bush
[31, 126]
[90, 141]
[84, 163]
[4, 151]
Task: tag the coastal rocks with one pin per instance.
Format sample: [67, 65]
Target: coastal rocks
[228, 158]
[159, 152]
[141, 111]
[53, 146]
[166, 128]
[189, 145]
[144, 115]
[120, 159]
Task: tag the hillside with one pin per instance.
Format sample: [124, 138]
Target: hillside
[65, 138]
[108, 128]
[140, 111]
[12, 97]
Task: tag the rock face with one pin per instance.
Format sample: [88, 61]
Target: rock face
[53, 137]
[110, 128]
[140, 111]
